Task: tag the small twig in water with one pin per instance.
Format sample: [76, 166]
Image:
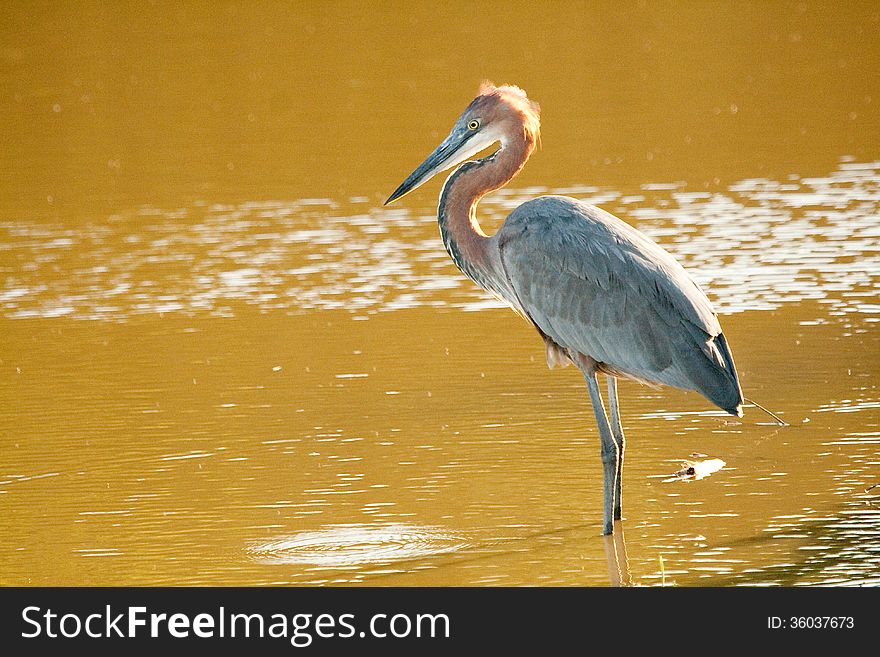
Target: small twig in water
[782, 423]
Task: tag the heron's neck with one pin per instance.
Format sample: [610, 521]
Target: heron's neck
[462, 235]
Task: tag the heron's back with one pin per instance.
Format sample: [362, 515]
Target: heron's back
[594, 285]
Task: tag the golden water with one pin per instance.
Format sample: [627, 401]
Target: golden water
[222, 361]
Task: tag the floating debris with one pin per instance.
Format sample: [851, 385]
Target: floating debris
[699, 468]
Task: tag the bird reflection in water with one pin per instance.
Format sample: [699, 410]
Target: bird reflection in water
[618, 560]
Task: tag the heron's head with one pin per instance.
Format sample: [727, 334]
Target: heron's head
[497, 115]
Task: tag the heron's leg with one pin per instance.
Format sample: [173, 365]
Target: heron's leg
[617, 431]
[609, 451]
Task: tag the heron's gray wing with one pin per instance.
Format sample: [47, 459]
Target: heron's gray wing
[595, 285]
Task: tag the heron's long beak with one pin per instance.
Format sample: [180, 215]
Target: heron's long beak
[445, 156]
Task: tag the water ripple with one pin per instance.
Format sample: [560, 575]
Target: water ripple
[341, 546]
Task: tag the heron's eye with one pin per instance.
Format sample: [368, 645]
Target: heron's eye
[474, 124]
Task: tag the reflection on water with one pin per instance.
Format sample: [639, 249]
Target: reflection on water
[758, 245]
[841, 549]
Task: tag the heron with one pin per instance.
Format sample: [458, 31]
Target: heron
[601, 294]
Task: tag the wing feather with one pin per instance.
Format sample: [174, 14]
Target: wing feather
[594, 285]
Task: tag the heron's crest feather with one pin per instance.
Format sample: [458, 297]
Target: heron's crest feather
[515, 98]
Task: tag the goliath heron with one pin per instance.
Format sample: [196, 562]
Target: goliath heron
[600, 293]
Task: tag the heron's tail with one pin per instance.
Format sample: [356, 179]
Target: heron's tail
[727, 393]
